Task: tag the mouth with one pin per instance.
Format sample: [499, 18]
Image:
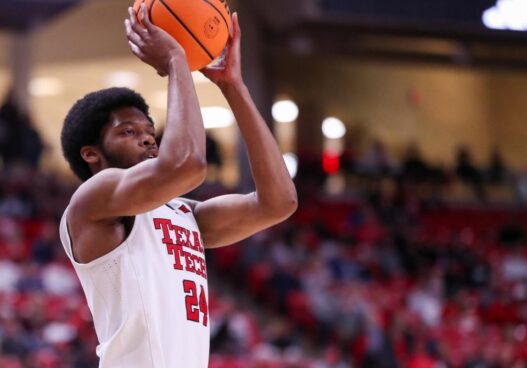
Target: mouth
[151, 154]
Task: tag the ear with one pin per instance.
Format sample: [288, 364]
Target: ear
[90, 154]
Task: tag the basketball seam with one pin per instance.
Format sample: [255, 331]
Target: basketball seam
[187, 29]
[219, 11]
[150, 9]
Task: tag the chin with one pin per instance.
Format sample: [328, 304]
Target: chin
[145, 159]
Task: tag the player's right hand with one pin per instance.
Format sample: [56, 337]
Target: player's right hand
[152, 44]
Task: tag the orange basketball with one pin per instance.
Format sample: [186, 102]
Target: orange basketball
[202, 27]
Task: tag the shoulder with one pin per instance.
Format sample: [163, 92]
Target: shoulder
[98, 182]
[93, 190]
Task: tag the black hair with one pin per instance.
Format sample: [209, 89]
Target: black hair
[86, 119]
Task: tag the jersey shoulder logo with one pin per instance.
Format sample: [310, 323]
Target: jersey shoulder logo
[184, 209]
[181, 208]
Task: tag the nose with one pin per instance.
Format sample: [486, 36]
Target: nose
[148, 140]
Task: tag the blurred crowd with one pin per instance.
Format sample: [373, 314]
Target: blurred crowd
[463, 180]
[385, 282]
[44, 320]
[389, 281]
[385, 275]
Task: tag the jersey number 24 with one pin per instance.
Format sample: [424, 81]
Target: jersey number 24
[194, 303]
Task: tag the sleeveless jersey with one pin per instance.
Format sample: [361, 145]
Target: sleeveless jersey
[149, 296]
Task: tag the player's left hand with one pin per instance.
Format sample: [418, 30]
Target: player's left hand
[229, 72]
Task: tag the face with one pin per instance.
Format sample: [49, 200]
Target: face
[128, 139]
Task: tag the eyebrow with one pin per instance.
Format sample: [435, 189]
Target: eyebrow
[132, 122]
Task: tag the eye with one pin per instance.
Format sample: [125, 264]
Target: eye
[128, 132]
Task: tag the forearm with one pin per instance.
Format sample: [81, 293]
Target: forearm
[184, 134]
[274, 187]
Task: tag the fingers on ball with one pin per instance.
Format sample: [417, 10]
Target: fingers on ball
[146, 18]
[136, 27]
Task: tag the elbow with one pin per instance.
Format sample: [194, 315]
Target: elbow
[291, 205]
[285, 208]
[195, 166]
[192, 167]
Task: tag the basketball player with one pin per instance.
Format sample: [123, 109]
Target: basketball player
[136, 245]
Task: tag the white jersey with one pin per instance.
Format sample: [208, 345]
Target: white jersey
[149, 296]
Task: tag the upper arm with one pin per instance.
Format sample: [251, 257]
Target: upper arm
[114, 193]
[227, 219]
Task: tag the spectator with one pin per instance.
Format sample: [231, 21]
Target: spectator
[511, 233]
[497, 171]
[414, 166]
[376, 162]
[468, 172]
[19, 141]
[213, 152]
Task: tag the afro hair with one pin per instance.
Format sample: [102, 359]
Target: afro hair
[86, 119]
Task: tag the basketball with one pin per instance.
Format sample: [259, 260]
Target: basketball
[202, 27]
